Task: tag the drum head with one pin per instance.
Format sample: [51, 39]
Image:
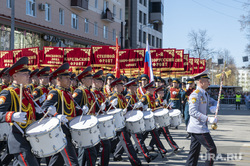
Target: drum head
[113, 111]
[103, 118]
[86, 122]
[148, 114]
[174, 112]
[134, 115]
[161, 111]
[44, 126]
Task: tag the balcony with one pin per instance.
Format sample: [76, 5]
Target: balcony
[107, 15]
[80, 4]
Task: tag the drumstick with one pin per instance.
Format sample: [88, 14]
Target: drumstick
[91, 108]
[128, 104]
[21, 97]
[62, 104]
[109, 108]
[45, 114]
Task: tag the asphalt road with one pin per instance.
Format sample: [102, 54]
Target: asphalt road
[232, 139]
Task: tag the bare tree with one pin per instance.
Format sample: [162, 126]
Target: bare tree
[199, 42]
[245, 25]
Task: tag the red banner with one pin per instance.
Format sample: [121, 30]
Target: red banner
[53, 56]
[196, 65]
[162, 58]
[40, 58]
[191, 66]
[178, 60]
[186, 62]
[169, 55]
[77, 57]
[6, 59]
[103, 56]
[134, 59]
[202, 65]
[31, 53]
[125, 61]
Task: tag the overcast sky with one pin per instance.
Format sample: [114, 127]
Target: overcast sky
[218, 17]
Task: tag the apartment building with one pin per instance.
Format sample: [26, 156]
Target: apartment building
[244, 78]
[144, 20]
[66, 23]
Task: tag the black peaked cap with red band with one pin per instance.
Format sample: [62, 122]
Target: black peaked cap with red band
[2, 72]
[43, 72]
[34, 72]
[161, 88]
[131, 83]
[116, 81]
[19, 66]
[85, 73]
[98, 75]
[63, 70]
[149, 85]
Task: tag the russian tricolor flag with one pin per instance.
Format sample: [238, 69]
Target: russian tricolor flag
[148, 69]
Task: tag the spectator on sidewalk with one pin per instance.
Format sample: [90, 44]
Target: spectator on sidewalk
[247, 100]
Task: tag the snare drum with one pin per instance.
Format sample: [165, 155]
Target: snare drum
[162, 118]
[106, 126]
[4, 131]
[149, 121]
[46, 138]
[175, 117]
[84, 133]
[134, 121]
[119, 118]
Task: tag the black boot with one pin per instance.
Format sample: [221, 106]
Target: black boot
[151, 157]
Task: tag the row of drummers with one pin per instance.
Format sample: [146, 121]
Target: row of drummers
[73, 127]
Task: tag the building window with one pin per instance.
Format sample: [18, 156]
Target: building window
[140, 1]
[144, 37]
[114, 10]
[145, 3]
[120, 14]
[140, 36]
[140, 16]
[157, 42]
[96, 3]
[9, 3]
[86, 25]
[153, 41]
[160, 43]
[61, 16]
[47, 12]
[96, 29]
[31, 7]
[145, 19]
[114, 34]
[105, 5]
[74, 21]
[149, 39]
[105, 32]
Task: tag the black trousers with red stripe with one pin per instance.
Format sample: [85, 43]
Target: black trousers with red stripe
[124, 140]
[197, 140]
[105, 153]
[155, 136]
[168, 137]
[87, 156]
[25, 158]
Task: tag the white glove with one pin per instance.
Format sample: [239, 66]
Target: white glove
[62, 118]
[187, 86]
[212, 120]
[85, 109]
[145, 107]
[213, 109]
[103, 106]
[42, 98]
[174, 93]
[124, 111]
[165, 102]
[19, 117]
[114, 102]
[138, 105]
[52, 110]
[38, 110]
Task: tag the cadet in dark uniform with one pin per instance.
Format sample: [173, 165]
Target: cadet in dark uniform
[74, 82]
[64, 114]
[5, 79]
[107, 90]
[199, 102]
[101, 104]
[85, 99]
[9, 112]
[42, 91]
[118, 101]
[174, 95]
[140, 90]
[149, 102]
[159, 102]
[34, 81]
[189, 89]
[52, 83]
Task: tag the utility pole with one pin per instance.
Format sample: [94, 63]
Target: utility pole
[12, 33]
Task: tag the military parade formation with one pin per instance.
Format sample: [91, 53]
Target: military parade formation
[67, 119]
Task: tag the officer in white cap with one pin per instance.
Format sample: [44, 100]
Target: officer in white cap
[199, 104]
